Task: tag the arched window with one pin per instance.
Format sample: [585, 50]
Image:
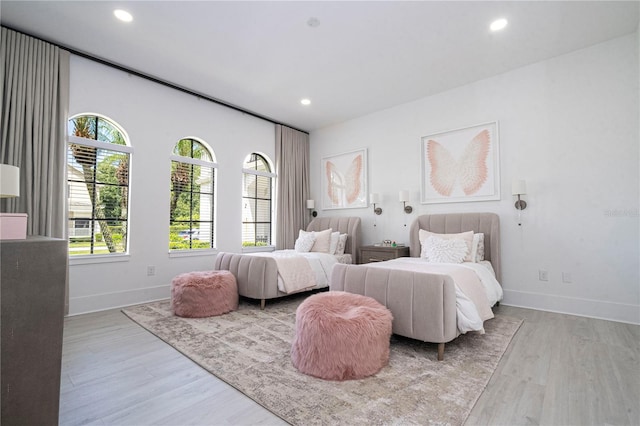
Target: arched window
[98, 161]
[192, 196]
[257, 198]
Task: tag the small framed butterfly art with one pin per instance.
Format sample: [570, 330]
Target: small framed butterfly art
[461, 165]
[344, 180]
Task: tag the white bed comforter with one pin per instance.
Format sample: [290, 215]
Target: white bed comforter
[474, 297]
[294, 277]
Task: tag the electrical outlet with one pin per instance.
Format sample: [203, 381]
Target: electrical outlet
[543, 275]
[566, 277]
[151, 270]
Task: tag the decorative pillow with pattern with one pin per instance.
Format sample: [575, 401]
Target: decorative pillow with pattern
[467, 237]
[439, 250]
[305, 242]
[335, 238]
[477, 248]
[342, 244]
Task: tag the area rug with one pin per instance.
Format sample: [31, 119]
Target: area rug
[250, 350]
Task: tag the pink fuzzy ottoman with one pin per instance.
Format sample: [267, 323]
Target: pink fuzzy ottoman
[204, 294]
[341, 336]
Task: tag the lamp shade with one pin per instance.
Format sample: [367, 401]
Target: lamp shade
[518, 187]
[374, 198]
[9, 181]
[403, 196]
[311, 204]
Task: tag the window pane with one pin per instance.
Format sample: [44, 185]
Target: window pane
[180, 205]
[111, 203]
[261, 164]
[248, 210]
[263, 187]
[263, 234]
[107, 132]
[84, 127]
[179, 233]
[79, 203]
[112, 234]
[180, 176]
[256, 162]
[249, 185]
[202, 207]
[205, 179]
[248, 234]
[200, 152]
[113, 167]
[263, 211]
[183, 148]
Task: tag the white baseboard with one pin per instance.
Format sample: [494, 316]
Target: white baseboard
[119, 299]
[620, 312]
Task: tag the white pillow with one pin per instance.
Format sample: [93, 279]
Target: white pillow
[342, 244]
[467, 237]
[335, 238]
[439, 250]
[304, 242]
[477, 248]
[322, 240]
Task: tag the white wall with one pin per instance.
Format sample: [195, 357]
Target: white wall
[569, 126]
[155, 118]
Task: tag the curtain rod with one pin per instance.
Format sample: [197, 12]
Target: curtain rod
[156, 80]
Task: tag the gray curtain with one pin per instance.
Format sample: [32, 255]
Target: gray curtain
[292, 165]
[33, 119]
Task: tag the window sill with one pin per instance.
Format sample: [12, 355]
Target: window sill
[191, 253]
[258, 249]
[97, 258]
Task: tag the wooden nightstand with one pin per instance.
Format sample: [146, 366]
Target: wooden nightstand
[379, 253]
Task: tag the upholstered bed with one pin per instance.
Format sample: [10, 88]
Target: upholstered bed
[423, 303]
[257, 275]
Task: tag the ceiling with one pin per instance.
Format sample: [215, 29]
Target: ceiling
[362, 57]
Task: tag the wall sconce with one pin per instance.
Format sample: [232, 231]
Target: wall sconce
[518, 188]
[311, 204]
[375, 199]
[404, 198]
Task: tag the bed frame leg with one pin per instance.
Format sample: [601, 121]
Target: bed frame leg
[262, 303]
[440, 351]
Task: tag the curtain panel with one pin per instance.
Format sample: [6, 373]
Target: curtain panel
[292, 165]
[33, 119]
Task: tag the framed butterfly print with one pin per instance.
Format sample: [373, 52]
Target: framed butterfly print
[461, 165]
[344, 180]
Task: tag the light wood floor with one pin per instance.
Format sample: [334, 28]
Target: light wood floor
[558, 370]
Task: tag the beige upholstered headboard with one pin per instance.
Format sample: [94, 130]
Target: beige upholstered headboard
[453, 223]
[344, 225]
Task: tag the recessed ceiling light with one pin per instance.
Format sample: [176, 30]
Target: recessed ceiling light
[498, 24]
[123, 15]
[305, 101]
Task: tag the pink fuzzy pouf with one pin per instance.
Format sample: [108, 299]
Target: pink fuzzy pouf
[341, 336]
[204, 294]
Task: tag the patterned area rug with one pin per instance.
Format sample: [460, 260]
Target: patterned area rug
[249, 349]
